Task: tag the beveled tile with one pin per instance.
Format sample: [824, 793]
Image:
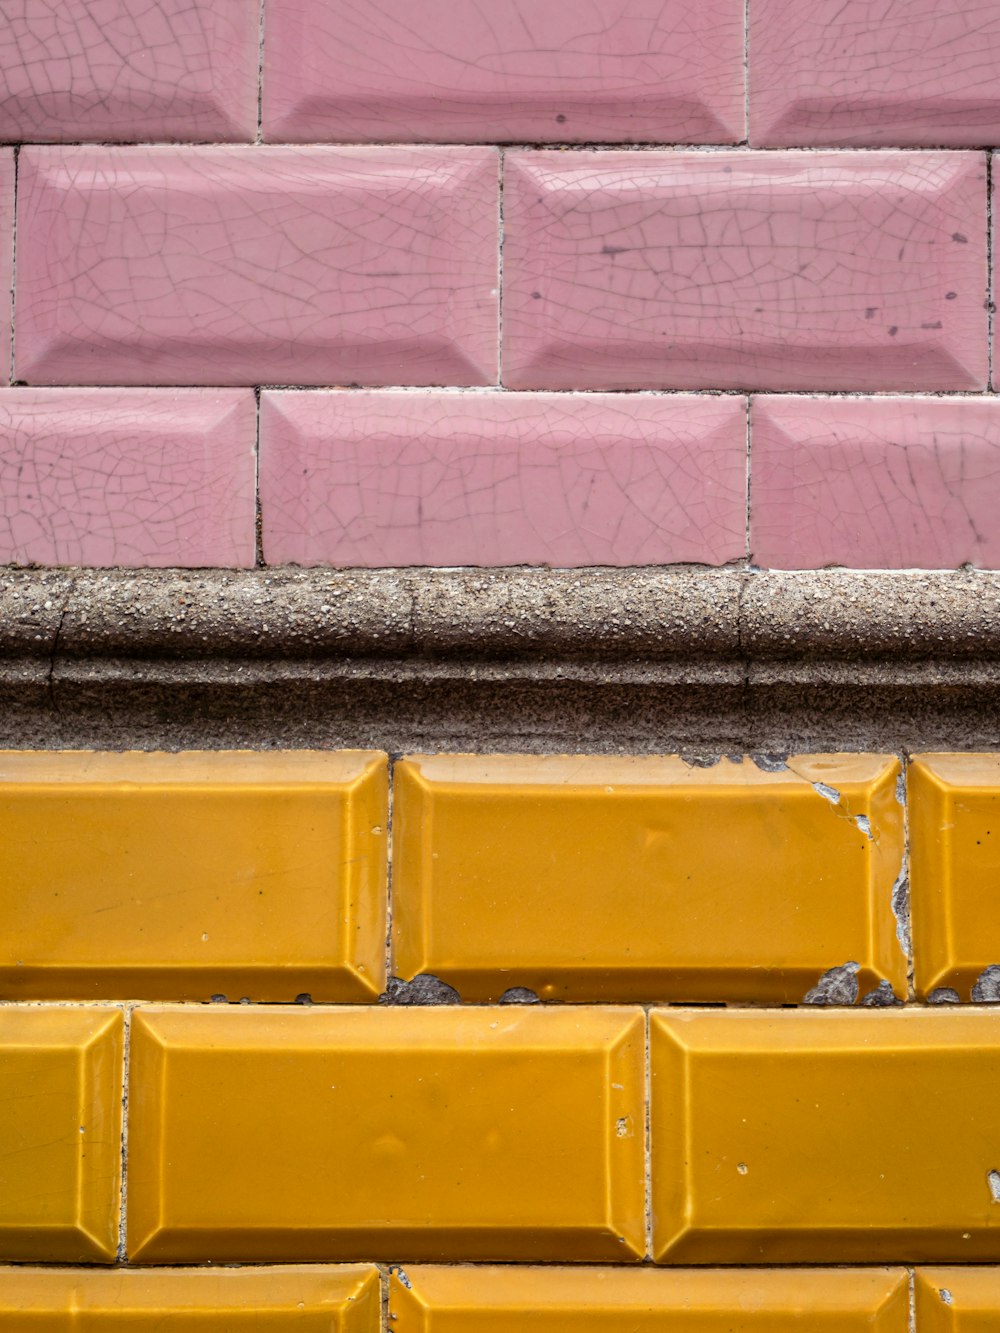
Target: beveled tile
[589, 878]
[643, 1300]
[60, 1129]
[190, 1300]
[393, 1133]
[954, 804]
[183, 876]
[957, 1300]
[824, 1137]
[836, 271]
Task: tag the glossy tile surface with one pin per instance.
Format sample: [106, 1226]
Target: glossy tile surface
[957, 1300]
[60, 1127]
[610, 70]
[877, 483]
[824, 1137]
[183, 876]
[128, 477]
[836, 272]
[606, 878]
[610, 1300]
[955, 870]
[394, 1133]
[355, 478]
[894, 73]
[128, 69]
[191, 1300]
[257, 265]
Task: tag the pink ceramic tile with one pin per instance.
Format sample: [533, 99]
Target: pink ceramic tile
[6, 256]
[737, 270]
[257, 265]
[563, 70]
[875, 483]
[127, 477]
[859, 72]
[128, 69]
[354, 478]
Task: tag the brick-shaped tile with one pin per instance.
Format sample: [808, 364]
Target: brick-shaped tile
[230, 266]
[904, 72]
[875, 483]
[7, 173]
[138, 477]
[383, 478]
[128, 69]
[618, 71]
[831, 1137]
[588, 878]
[61, 1125]
[423, 1133]
[735, 270]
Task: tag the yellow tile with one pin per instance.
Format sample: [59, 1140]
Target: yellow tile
[386, 1133]
[60, 1133]
[825, 1136]
[191, 1300]
[182, 876]
[643, 1300]
[646, 878]
[954, 869]
[957, 1300]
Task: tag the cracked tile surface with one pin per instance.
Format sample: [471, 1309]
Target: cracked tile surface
[735, 270]
[128, 69]
[567, 70]
[501, 479]
[231, 266]
[876, 483]
[106, 477]
[874, 72]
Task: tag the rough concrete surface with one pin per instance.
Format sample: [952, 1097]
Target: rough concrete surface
[679, 659]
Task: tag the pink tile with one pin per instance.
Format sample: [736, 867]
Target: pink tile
[875, 483]
[736, 270]
[257, 265]
[562, 71]
[354, 478]
[127, 477]
[128, 69]
[919, 72]
[6, 256]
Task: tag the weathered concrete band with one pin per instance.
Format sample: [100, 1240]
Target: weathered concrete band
[646, 659]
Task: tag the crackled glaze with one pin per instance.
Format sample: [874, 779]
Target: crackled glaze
[128, 69]
[565, 71]
[875, 483]
[737, 270]
[501, 479]
[257, 265]
[127, 477]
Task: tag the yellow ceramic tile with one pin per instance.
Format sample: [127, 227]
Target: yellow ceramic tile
[386, 1133]
[60, 1133]
[825, 1136]
[191, 1300]
[955, 870]
[646, 878]
[182, 876]
[643, 1300]
[957, 1300]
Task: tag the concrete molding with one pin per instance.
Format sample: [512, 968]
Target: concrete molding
[641, 659]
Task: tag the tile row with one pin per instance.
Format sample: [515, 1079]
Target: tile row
[368, 478]
[264, 877]
[735, 270]
[483, 1299]
[516, 1133]
[820, 72]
